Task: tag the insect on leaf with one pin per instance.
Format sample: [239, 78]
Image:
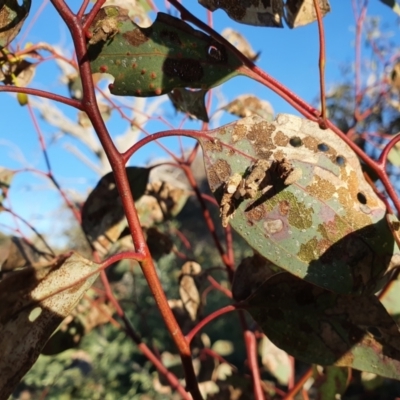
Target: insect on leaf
[155, 60]
[320, 327]
[297, 195]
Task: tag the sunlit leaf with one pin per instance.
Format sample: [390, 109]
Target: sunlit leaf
[256, 12]
[33, 303]
[297, 195]
[160, 202]
[12, 17]
[188, 290]
[317, 326]
[155, 60]
[239, 41]
[299, 13]
[247, 105]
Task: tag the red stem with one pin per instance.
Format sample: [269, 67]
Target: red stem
[321, 63]
[117, 162]
[251, 349]
[298, 386]
[131, 332]
[41, 93]
[208, 319]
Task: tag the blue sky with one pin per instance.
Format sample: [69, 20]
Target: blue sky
[290, 56]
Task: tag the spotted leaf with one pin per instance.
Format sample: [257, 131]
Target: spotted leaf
[300, 199]
[155, 60]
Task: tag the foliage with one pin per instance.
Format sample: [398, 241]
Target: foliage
[259, 262]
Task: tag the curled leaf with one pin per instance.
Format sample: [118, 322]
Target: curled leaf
[188, 288]
[238, 40]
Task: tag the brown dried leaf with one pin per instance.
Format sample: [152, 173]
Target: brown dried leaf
[247, 105]
[16, 253]
[188, 289]
[238, 40]
[18, 73]
[160, 202]
[12, 17]
[103, 218]
[33, 303]
[256, 12]
[302, 12]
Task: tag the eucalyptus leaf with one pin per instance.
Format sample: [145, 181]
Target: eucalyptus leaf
[320, 327]
[297, 195]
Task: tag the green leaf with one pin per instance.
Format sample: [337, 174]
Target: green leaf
[298, 196]
[331, 382]
[103, 217]
[317, 326]
[12, 17]
[190, 102]
[155, 60]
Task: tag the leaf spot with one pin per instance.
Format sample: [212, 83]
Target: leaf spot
[323, 147]
[295, 141]
[273, 226]
[340, 161]
[361, 198]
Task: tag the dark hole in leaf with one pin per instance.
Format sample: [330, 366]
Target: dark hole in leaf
[340, 161]
[295, 141]
[323, 147]
[361, 198]
[374, 331]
